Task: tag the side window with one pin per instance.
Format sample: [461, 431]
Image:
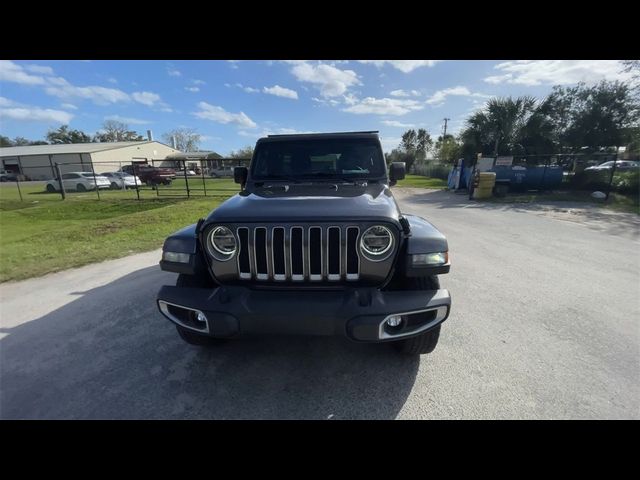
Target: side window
[67, 176]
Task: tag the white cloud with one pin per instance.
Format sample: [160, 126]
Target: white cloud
[35, 114]
[133, 121]
[384, 106]
[220, 115]
[405, 66]
[331, 81]
[112, 80]
[146, 98]
[69, 106]
[267, 131]
[557, 72]
[192, 89]
[233, 64]
[279, 91]
[5, 102]
[404, 93]
[198, 82]
[395, 123]
[12, 72]
[39, 69]
[389, 143]
[60, 88]
[440, 96]
[172, 72]
[251, 90]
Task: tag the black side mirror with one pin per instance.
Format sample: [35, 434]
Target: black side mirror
[240, 175]
[397, 171]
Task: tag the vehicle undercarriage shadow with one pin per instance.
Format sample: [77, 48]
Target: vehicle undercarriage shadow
[110, 354]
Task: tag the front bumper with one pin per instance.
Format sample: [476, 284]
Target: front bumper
[358, 313]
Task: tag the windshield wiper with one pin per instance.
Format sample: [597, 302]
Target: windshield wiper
[278, 178]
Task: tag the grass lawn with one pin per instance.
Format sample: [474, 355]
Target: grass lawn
[44, 234]
[418, 181]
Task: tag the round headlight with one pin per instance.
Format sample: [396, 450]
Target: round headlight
[223, 241]
[376, 240]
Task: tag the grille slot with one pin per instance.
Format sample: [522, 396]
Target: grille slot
[244, 263]
[298, 253]
[278, 254]
[260, 253]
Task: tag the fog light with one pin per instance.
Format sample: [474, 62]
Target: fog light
[394, 320]
[201, 318]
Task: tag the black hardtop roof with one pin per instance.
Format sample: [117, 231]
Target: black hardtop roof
[316, 136]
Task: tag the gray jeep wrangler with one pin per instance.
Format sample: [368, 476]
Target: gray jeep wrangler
[313, 244]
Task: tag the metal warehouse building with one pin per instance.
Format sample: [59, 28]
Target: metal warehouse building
[37, 162]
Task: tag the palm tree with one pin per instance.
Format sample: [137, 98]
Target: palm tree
[502, 125]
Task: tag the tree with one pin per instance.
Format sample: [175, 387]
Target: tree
[246, 152]
[64, 135]
[5, 141]
[448, 149]
[116, 131]
[187, 139]
[408, 146]
[595, 117]
[423, 144]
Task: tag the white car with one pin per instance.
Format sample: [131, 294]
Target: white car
[79, 181]
[620, 165]
[122, 180]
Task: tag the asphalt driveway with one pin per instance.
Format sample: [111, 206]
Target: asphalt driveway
[545, 324]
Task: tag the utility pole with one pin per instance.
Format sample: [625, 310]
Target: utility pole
[445, 128]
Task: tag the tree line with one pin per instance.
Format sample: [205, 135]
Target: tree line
[578, 119]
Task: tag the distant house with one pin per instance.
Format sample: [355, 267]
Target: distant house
[37, 162]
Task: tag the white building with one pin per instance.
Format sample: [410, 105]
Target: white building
[37, 162]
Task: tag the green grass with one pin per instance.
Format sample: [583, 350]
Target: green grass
[44, 234]
[418, 181]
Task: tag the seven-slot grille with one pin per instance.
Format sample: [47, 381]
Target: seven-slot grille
[298, 253]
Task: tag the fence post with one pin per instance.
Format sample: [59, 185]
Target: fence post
[613, 171]
[18, 185]
[204, 184]
[95, 182]
[186, 180]
[544, 174]
[62, 192]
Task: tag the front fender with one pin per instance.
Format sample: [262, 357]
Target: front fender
[184, 240]
[423, 238]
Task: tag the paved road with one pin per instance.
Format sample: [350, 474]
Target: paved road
[545, 325]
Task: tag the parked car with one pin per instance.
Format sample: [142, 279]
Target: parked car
[79, 181]
[221, 172]
[620, 164]
[190, 172]
[7, 176]
[122, 180]
[313, 244]
[150, 175]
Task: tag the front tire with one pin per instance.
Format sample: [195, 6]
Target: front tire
[425, 342]
[420, 344]
[81, 188]
[51, 188]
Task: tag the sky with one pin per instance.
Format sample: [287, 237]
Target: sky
[232, 103]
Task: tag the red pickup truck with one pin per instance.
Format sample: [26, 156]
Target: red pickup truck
[151, 175]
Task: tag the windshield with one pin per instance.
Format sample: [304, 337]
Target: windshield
[318, 159]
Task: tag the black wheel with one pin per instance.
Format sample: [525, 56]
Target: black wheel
[4, 179]
[114, 186]
[51, 188]
[193, 338]
[81, 188]
[425, 342]
[420, 344]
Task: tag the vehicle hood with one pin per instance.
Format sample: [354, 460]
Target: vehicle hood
[304, 203]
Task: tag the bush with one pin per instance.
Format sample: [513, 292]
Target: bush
[433, 170]
[623, 181]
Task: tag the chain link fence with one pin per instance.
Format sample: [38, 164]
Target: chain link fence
[127, 180]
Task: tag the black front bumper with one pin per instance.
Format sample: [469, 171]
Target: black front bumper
[357, 313]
